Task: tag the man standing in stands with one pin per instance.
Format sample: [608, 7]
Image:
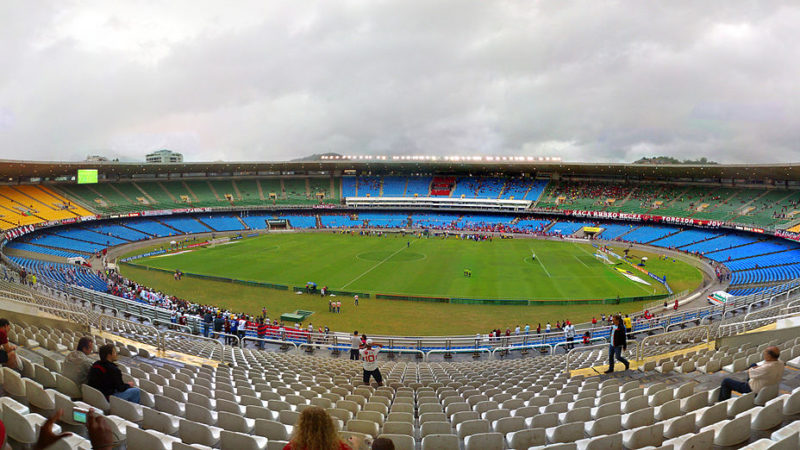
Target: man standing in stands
[569, 334]
[370, 358]
[617, 345]
[106, 377]
[78, 362]
[355, 344]
[766, 373]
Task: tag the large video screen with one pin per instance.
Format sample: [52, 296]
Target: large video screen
[87, 176]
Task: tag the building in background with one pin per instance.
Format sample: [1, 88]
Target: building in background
[164, 156]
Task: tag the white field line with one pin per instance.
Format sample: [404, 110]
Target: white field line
[579, 260]
[541, 264]
[373, 267]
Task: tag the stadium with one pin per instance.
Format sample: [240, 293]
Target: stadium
[464, 269]
[399, 225]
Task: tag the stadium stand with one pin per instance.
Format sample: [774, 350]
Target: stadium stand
[185, 225]
[478, 187]
[567, 228]
[613, 231]
[419, 186]
[151, 227]
[648, 233]
[394, 186]
[683, 238]
[385, 220]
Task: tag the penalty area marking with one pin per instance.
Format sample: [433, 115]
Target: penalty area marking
[373, 267]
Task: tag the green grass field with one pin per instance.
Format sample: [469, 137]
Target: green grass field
[429, 267]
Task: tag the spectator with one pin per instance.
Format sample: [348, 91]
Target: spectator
[587, 338]
[355, 344]
[315, 431]
[382, 444]
[106, 377]
[370, 358]
[766, 373]
[8, 351]
[569, 334]
[617, 345]
[208, 323]
[77, 363]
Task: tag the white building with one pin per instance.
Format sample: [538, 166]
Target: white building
[164, 156]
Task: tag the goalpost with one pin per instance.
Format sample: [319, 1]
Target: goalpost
[604, 259]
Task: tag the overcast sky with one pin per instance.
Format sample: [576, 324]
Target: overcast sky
[264, 80]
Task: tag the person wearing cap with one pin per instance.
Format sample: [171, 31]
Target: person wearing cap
[370, 358]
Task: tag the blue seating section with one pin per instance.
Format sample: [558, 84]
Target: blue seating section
[776, 289]
[531, 225]
[299, 221]
[685, 238]
[61, 272]
[778, 273]
[151, 227]
[388, 220]
[523, 189]
[348, 187]
[257, 221]
[721, 243]
[612, 231]
[88, 236]
[335, 221]
[747, 251]
[222, 223]
[482, 187]
[118, 231]
[394, 186]
[369, 186]
[772, 259]
[645, 233]
[65, 243]
[44, 250]
[418, 185]
[187, 225]
[568, 228]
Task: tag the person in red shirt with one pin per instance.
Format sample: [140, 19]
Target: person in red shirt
[594, 321]
[315, 431]
[8, 351]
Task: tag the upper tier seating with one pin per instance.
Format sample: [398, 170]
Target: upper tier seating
[484, 187]
[394, 186]
[420, 186]
[523, 189]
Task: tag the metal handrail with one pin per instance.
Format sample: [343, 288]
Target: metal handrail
[219, 333]
[524, 347]
[271, 341]
[457, 350]
[579, 350]
[640, 347]
[170, 333]
[578, 343]
[74, 316]
[726, 326]
[171, 324]
[104, 320]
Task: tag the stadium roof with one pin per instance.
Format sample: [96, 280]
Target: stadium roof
[15, 170]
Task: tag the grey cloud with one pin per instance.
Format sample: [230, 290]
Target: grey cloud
[589, 81]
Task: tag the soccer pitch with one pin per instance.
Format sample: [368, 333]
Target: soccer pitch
[501, 269]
